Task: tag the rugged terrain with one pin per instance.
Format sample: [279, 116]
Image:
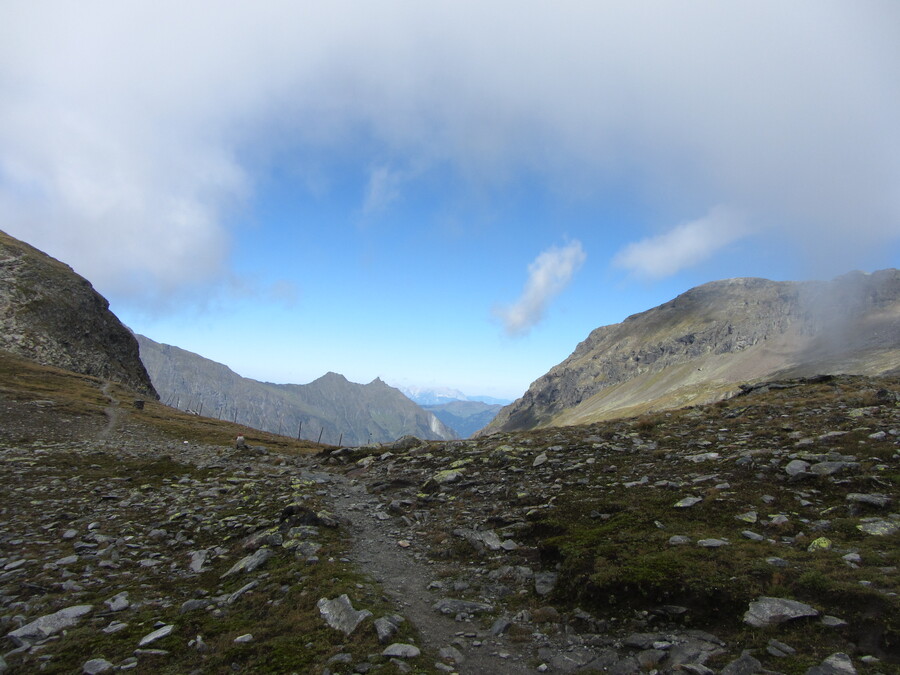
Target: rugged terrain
[53, 316]
[676, 542]
[702, 345]
[330, 408]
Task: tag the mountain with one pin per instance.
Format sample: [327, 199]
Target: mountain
[341, 411]
[702, 345]
[54, 317]
[433, 396]
[465, 417]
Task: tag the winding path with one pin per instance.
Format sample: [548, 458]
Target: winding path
[405, 579]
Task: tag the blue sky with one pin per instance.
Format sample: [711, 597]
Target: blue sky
[442, 194]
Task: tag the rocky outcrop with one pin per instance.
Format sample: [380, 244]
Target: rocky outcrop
[698, 347]
[51, 315]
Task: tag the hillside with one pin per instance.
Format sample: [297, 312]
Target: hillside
[702, 345]
[342, 412]
[53, 316]
[464, 417]
[754, 535]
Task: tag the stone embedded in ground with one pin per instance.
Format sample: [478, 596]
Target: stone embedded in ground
[250, 563]
[769, 611]
[118, 602]
[158, 634]
[679, 540]
[385, 628]
[878, 526]
[712, 543]
[875, 499]
[796, 467]
[687, 502]
[745, 664]
[453, 606]
[820, 544]
[836, 664]
[545, 582]
[49, 624]
[340, 615]
[401, 651]
[97, 667]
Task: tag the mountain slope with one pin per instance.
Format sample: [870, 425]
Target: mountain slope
[52, 316]
[701, 345]
[339, 410]
[465, 417]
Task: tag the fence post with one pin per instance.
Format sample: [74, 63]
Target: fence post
[320, 435]
[299, 429]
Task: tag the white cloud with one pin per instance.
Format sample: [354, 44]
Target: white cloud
[129, 132]
[683, 246]
[383, 189]
[548, 276]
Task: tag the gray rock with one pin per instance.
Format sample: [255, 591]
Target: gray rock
[198, 559]
[744, 665]
[49, 624]
[876, 499]
[832, 468]
[878, 526]
[340, 615]
[768, 611]
[386, 627]
[250, 563]
[545, 582]
[687, 502]
[158, 634]
[679, 540]
[453, 606]
[451, 654]
[97, 666]
[712, 543]
[118, 602]
[833, 621]
[401, 651]
[752, 536]
[540, 459]
[796, 467]
[836, 664]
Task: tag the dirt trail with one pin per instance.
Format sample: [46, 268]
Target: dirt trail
[112, 411]
[405, 579]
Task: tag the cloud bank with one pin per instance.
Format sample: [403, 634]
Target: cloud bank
[683, 246]
[130, 133]
[548, 276]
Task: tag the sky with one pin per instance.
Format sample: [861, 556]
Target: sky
[448, 194]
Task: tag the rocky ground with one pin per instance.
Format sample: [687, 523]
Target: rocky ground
[756, 535]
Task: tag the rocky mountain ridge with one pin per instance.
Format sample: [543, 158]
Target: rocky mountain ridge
[701, 345]
[331, 408]
[53, 316]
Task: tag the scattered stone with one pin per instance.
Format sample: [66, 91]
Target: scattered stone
[877, 500]
[97, 667]
[539, 460]
[712, 543]
[49, 624]
[820, 544]
[244, 639]
[545, 582]
[401, 651]
[340, 615]
[386, 627]
[679, 540]
[453, 606]
[118, 602]
[250, 563]
[836, 664]
[768, 611]
[833, 621]
[687, 502]
[158, 634]
[743, 665]
[878, 526]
